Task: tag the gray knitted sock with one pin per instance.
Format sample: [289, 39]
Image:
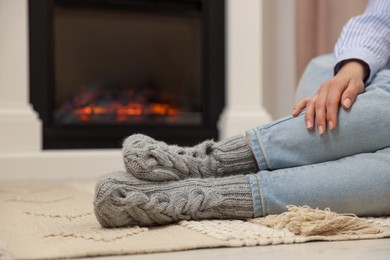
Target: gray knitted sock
[123, 200]
[152, 160]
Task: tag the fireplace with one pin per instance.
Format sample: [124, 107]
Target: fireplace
[101, 70]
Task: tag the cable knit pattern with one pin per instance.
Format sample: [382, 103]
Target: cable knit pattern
[153, 160]
[123, 200]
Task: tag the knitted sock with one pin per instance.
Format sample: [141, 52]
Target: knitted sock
[123, 200]
[152, 160]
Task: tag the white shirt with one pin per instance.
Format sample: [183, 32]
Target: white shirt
[367, 37]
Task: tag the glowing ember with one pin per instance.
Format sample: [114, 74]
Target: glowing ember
[117, 105]
[122, 112]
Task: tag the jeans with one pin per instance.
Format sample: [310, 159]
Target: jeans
[347, 169]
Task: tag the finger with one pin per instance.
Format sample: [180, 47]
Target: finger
[349, 95]
[320, 109]
[332, 105]
[299, 106]
[310, 112]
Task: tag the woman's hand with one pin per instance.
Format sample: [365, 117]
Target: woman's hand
[322, 108]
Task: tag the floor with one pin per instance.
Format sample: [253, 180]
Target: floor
[358, 249]
[346, 250]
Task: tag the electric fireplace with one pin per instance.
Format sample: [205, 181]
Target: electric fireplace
[101, 70]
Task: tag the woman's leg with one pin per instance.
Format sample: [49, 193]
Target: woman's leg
[362, 129]
[358, 184]
[347, 170]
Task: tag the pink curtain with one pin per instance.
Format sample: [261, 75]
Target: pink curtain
[319, 23]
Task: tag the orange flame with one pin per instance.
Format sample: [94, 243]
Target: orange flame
[125, 112]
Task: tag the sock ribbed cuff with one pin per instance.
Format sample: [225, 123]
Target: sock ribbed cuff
[234, 156]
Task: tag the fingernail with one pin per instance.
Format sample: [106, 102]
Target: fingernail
[347, 102]
[320, 129]
[293, 112]
[330, 123]
[309, 125]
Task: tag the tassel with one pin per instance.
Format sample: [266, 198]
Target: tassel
[306, 221]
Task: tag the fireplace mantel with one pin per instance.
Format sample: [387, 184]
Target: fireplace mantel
[21, 155]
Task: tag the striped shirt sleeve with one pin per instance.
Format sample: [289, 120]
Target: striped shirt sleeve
[367, 37]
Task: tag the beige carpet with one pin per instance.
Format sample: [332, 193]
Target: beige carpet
[53, 220]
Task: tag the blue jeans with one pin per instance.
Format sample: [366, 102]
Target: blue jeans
[347, 169]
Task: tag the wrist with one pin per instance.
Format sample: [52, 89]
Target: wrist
[354, 68]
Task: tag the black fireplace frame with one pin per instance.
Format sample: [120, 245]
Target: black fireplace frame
[111, 136]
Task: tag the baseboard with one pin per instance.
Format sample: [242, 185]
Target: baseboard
[59, 165]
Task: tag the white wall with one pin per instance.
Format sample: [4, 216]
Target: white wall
[261, 65]
[279, 54]
[244, 69]
[20, 128]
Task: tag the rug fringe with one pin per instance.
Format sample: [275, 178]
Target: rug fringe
[307, 221]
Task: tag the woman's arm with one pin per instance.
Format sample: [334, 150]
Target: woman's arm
[366, 38]
[362, 49]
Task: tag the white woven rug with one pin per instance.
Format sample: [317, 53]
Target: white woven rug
[53, 220]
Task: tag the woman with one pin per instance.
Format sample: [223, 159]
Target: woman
[323, 156]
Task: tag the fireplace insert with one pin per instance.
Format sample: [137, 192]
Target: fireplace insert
[101, 70]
